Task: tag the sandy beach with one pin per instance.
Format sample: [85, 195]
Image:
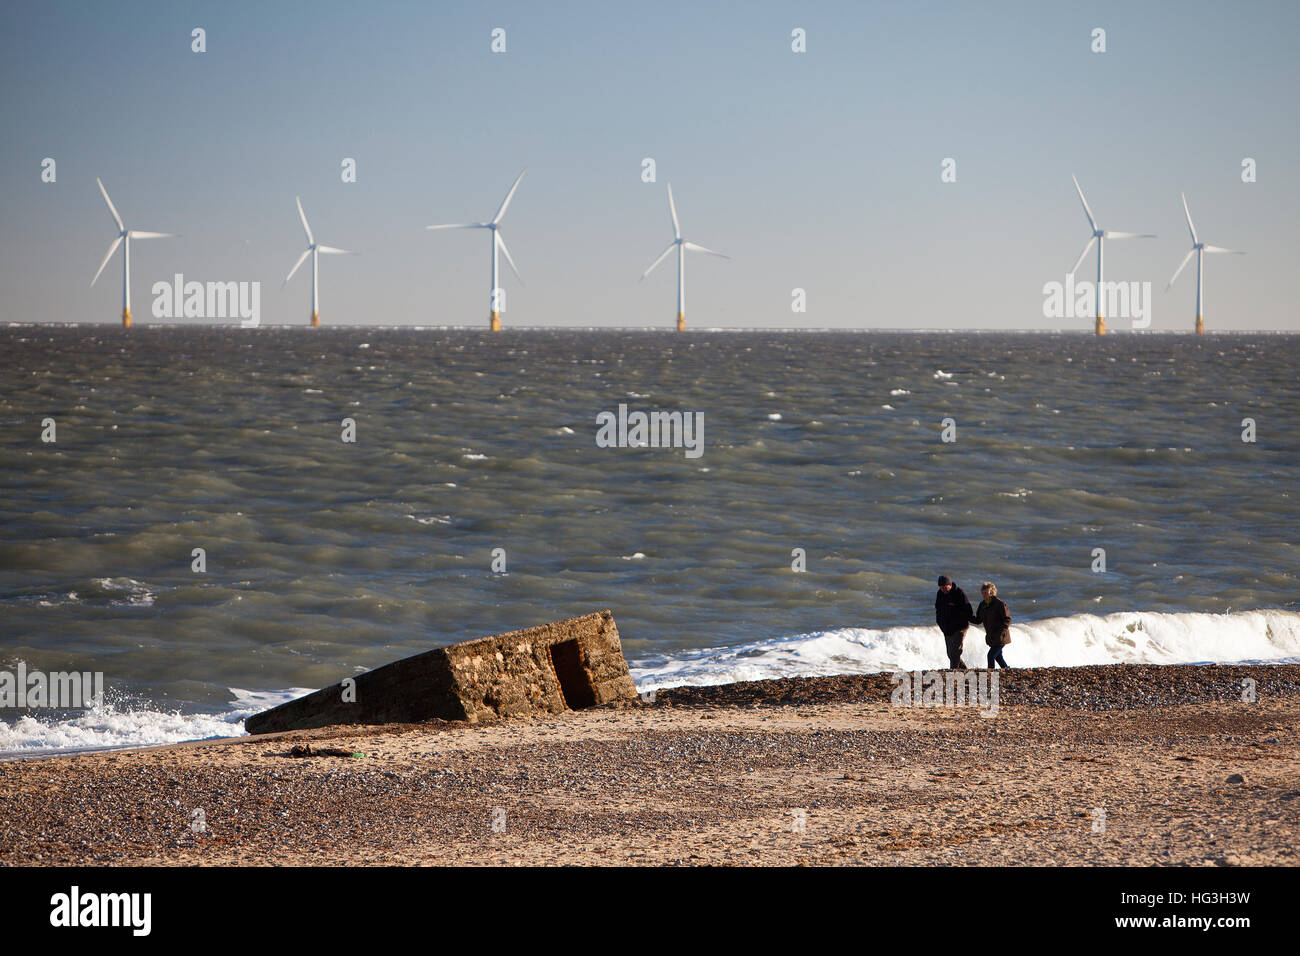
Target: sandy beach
[1128, 765]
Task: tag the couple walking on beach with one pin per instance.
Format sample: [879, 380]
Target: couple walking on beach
[952, 612]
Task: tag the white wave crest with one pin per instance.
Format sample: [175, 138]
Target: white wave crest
[1126, 637]
[106, 726]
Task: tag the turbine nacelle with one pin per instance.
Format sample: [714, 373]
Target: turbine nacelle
[1099, 234]
[1198, 249]
[312, 246]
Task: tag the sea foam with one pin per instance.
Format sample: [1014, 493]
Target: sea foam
[109, 726]
[1125, 637]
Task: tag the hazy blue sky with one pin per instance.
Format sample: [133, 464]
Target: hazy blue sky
[817, 170]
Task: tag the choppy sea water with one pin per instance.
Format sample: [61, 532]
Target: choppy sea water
[324, 558]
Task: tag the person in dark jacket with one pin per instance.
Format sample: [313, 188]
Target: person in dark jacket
[953, 615]
[995, 617]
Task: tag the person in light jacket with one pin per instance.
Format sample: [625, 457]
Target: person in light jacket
[995, 617]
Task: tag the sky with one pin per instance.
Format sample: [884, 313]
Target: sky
[817, 170]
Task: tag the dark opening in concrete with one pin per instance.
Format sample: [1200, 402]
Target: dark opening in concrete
[566, 658]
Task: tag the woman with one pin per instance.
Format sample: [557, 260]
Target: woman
[995, 617]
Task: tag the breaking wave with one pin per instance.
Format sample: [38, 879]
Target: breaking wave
[109, 726]
[1126, 637]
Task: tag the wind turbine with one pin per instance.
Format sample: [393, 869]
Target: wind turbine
[1198, 247]
[494, 320]
[1099, 236]
[682, 245]
[124, 235]
[313, 249]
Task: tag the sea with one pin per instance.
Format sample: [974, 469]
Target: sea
[219, 519]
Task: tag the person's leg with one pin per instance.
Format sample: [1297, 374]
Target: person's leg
[954, 643]
[1000, 658]
[993, 656]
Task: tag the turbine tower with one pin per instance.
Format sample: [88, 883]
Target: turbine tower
[494, 317]
[1198, 247]
[1099, 236]
[313, 249]
[124, 235]
[682, 245]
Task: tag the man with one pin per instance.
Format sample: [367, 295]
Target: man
[995, 617]
[952, 612]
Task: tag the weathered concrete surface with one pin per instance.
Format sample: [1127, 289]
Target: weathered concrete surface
[546, 669]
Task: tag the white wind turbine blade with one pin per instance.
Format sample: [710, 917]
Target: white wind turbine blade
[1181, 266]
[111, 249]
[672, 209]
[336, 252]
[1234, 252]
[461, 225]
[152, 235]
[303, 216]
[301, 259]
[694, 247]
[502, 244]
[111, 207]
[1129, 235]
[506, 202]
[1087, 212]
[662, 257]
[1083, 255]
[1190, 227]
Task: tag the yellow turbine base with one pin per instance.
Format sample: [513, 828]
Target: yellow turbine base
[126, 318]
[1101, 326]
[494, 323]
[681, 322]
[315, 319]
[1200, 326]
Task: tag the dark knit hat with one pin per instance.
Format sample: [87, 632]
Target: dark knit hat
[944, 579]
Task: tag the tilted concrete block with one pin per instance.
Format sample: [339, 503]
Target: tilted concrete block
[564, 665]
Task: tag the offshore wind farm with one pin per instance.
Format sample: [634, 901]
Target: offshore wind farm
[496, 297]
[854, 207]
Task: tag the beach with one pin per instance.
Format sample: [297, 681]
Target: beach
[1116, 765]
